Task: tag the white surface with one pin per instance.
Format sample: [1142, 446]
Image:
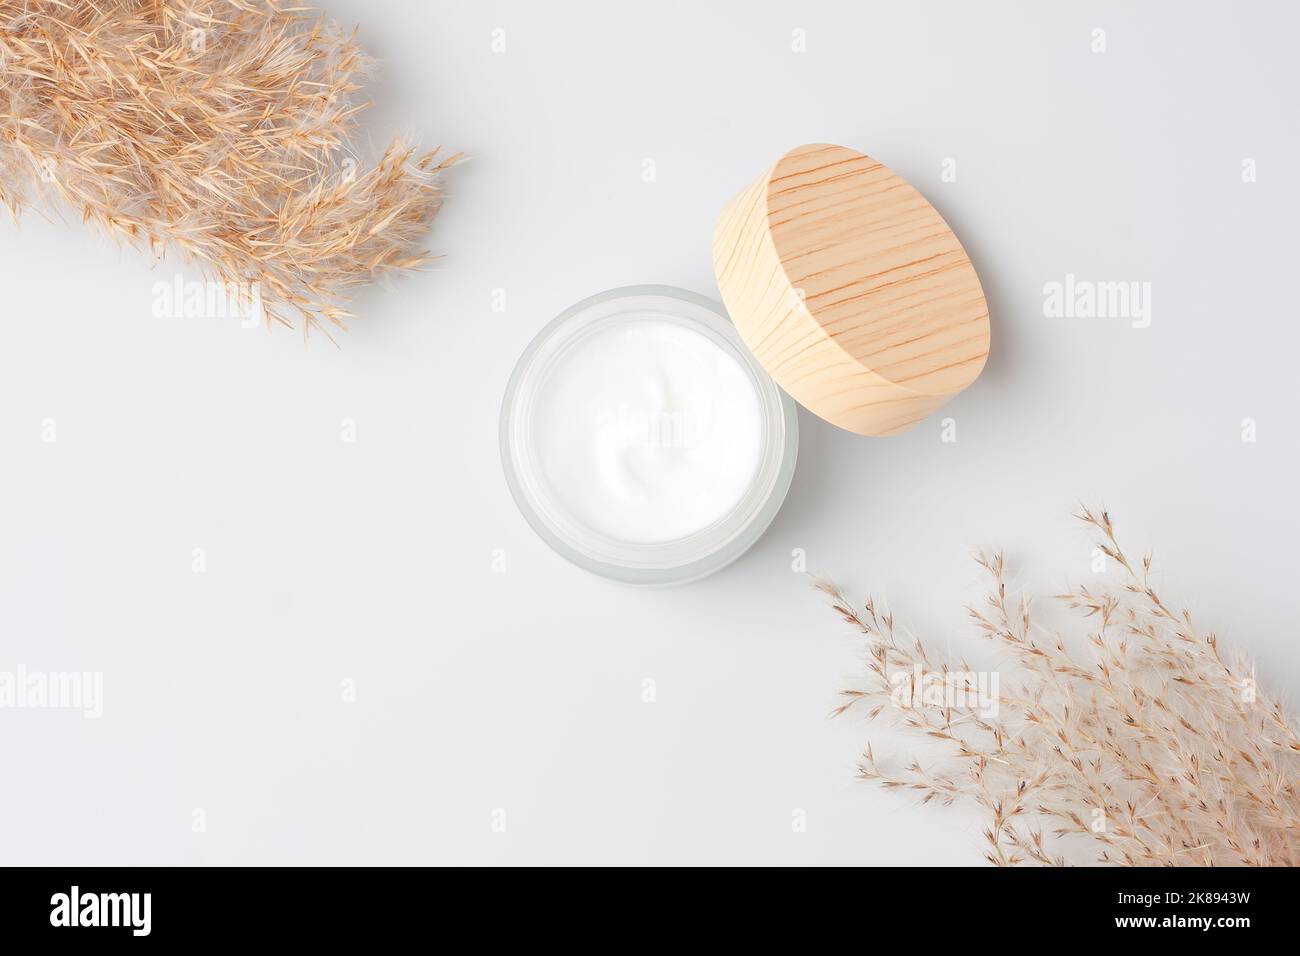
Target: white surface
[522, 691]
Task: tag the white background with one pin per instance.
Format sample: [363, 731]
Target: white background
[522, 691]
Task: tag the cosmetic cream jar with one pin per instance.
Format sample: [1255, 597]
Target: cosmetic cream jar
[650, 499]
[649, 439]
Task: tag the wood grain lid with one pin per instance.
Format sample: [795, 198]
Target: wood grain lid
[851, 290]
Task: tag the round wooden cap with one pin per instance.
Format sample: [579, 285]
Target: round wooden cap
[851, 290]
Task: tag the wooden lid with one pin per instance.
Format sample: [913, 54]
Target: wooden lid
[851, 290]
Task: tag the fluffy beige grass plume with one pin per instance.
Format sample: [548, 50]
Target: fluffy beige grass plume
[1137, 743]
[217, 127]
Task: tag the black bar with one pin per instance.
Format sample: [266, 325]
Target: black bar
[363, 905]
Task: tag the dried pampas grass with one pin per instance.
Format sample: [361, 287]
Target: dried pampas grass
[1152, 750]
[220, 127]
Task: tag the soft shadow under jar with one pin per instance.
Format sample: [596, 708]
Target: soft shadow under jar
[643, 441]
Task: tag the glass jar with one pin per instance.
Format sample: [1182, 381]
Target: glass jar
[659, 563]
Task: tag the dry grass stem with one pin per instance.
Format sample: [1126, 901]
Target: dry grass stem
[1151, 748]
[218, 127]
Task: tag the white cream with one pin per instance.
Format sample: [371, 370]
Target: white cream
[647, 431]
